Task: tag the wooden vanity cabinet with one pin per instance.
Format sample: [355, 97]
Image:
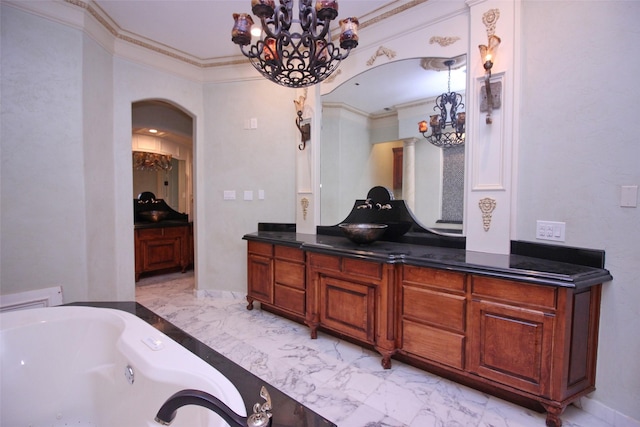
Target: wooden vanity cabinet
[529, 343]
[539, 340]
[259, 273]
[162, 248]
[433, 315]
[289, 291]
[277, 279]
[353, 298]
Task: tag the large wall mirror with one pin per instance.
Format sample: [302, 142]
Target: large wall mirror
[162, 145]
[370, 137]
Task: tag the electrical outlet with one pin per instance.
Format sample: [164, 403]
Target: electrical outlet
[550, 230]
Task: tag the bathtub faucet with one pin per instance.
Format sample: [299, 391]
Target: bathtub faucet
[261, 416]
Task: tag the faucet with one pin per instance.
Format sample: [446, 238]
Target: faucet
[383, 207]
[366, 205]
[261, 416]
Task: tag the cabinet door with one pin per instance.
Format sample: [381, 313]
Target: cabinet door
[161, 253]
[511, 345]
[348, 307]
[260, 278]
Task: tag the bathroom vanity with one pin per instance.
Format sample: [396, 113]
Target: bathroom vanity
[163, 237]
[521, 327]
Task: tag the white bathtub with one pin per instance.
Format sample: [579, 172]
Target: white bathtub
[67, 366]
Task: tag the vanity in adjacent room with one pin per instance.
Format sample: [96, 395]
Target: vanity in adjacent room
[163, 237]
[523, 326]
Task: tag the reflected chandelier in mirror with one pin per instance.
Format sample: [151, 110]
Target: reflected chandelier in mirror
[143, 160]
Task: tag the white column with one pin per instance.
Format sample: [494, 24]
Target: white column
[409, 172]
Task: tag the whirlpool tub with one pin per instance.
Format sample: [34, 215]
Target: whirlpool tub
[86, 366]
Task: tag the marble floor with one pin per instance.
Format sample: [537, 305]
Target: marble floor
[339, 380]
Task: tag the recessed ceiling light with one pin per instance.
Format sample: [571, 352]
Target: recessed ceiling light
[153, 130]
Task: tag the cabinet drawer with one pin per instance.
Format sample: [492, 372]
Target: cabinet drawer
[285, 252]
[516, 292]
[290, 274]
[260, 248]
[356, 267]
[433, 344]
[324, 262]
[435, 308]
[290, 299]
[432, 277]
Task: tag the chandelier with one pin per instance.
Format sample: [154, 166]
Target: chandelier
[294, 59]
[145, 161]
[446, 133]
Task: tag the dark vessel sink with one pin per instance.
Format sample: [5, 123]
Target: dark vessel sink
[363, 233]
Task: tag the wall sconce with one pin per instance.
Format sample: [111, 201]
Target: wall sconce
[305, 129]
[491, 91]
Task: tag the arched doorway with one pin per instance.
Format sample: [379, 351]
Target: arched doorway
[162, 160]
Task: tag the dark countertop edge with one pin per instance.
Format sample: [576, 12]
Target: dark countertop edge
[287, 412]
[162, 224]
[594, 276]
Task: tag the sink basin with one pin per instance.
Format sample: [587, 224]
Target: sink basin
[363, 233]
[154, 216]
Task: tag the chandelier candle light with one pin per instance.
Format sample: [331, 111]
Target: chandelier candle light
[446, 133]
[294, 59]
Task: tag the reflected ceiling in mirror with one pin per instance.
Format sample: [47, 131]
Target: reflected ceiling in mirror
[369, 115]
[381, 89]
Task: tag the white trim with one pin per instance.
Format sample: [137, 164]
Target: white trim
[31, 299]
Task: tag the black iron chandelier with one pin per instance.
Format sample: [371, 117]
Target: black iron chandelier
[446, 133]
[294, 59]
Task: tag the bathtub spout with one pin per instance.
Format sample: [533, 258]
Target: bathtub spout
[260, 418]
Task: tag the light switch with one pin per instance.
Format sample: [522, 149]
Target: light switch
[229, 194]
[629, 196]
[260, 194]
[248, 194]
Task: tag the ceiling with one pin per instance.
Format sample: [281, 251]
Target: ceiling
[202, 30]
[199, 28]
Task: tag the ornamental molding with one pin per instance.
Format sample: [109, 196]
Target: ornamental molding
[487, 206]
[443, 41]
[382, 51]
[489, 19]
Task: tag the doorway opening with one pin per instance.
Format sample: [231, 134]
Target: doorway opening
[163, 191]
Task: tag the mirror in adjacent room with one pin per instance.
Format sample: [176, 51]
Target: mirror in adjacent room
[370, 138]
[162, 146]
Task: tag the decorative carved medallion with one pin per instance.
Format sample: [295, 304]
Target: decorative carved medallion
[443, 41]
[487, 205]
[489, 19]
[304, 202]
[390, 54]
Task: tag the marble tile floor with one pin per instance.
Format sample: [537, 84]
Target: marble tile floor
[337, 379]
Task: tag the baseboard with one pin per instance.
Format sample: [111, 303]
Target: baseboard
[610, 415]
[31, 299]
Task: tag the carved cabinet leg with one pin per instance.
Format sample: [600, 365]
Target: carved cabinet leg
[250, 301]
[553, 415]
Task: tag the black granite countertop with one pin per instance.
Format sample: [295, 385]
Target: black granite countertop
[287, 412]
[513, 267]
[161, 224]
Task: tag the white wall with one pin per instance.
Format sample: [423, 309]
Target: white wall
[43, 218]
[232, 158]
[578, 145]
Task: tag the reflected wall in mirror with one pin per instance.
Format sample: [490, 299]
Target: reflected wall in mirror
[162, 128]
[372, 119]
